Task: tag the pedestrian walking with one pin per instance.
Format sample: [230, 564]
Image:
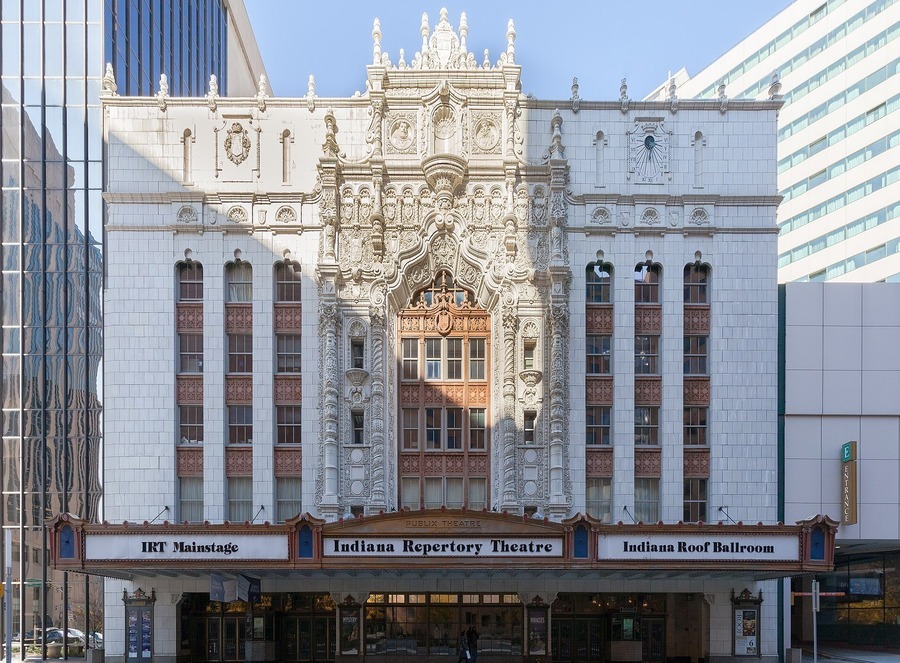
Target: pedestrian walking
[464, 655]
[472, 639]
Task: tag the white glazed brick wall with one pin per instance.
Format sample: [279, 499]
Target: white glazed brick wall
[842, 383]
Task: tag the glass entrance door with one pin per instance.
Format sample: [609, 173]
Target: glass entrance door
[653, 638]
[577, 638]
[309, 638]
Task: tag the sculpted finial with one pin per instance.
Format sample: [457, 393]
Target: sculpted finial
[576, 100]
[262, 93]
[463, 31]
[623, 95]
[401, 64]
[557, 151]
[510, 42]
[163, 94]
[311, 93]
[723, 99]
[213, 93]
[673, 98]
[376, 39]
[109, 82]
[424, 30]
[487, 59]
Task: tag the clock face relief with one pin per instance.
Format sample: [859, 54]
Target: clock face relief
[648, 153]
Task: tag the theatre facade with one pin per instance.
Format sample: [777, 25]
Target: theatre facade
[441, 355]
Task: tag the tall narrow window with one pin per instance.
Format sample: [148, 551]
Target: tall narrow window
[695, 355]
[190, 499]
[288, 497]
[454, 428]
[528, 354]
[454, 493]
[598, 498]
[454, 359]
[695, 426]
[240, 499]
[240, 424]
[599, 283]
[432, 428]
[530, 422]
[239, 276]
[410, 358]
[597, 354]
[289, 422]
[646, 426]
[477, 356]
[410, 493]
[598, 424]
[190, 353]
[287, 350]
[694, 500]
[190, 282]
[477, 429]
[696, 284]
[358, 419]
[646, 500]
[287, 282]
[434, 492]
[240, 353]
[432, 359]
[646, 354]
[646, 284]
[190, 424]
[477, 493]
[410, 428]
[357, 353]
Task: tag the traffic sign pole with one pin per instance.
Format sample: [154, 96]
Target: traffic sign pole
[815, 602]
[7, 547]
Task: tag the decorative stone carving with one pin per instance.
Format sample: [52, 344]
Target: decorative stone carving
[696, 391]
[239, 318]
[647, 390]
[288, 318]
[190, 462]
[237, 214]
[598, 391]
[699, 217]
[599, 319]
[238, 462]
[402, 133]
[288, 462]
[187, 214]
[189, 317]
[238, 389]
[696, 462]
[286, 214]
[486, 134]
[647, 463]
[189, 389]
[601, 215]
[650, 217]
[599, 462]
[648, 319]
[237, 144]
[288, 389]
[696, 320]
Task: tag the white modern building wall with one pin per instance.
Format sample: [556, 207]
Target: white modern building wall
[838, 169]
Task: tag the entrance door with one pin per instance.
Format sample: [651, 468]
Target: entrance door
[653, 638]
[233, 638]
[577, 638]
[309, 638]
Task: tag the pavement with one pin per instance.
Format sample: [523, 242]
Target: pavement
[832, 654]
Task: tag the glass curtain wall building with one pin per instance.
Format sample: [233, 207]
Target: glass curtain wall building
[53, 58]
[838, 171]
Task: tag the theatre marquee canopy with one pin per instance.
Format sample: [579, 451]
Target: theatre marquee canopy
[440, 539]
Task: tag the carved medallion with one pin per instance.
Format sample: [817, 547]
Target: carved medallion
[237, 214]
[402, 135]
[187, 214]
[237, 144]
[487, 135]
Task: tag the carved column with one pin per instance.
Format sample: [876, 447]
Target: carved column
[559, 357]
[377, 327]
[510, 327]
[331, 384]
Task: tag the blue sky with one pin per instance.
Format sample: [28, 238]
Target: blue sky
[598, 41]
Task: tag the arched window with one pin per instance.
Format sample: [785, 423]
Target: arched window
[287, 282]
[239, 277]
[190, 282]
[599, 283]
[696, 283]
[646, 283]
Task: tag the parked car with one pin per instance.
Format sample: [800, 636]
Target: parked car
[96, 640]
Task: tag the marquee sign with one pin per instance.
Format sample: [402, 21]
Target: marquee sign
[180, 547]
[449, 546]
[713, 546]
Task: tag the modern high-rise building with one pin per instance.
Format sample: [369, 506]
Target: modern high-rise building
[53, 62]
[838, 164]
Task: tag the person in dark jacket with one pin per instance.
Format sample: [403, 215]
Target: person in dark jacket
[463, 648]
[472, 638]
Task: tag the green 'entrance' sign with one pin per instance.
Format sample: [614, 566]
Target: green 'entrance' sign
[848, 452]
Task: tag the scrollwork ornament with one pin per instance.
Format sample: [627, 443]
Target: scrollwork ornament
[237, 144]
[187, 214]
[601, 215]
[286, 214]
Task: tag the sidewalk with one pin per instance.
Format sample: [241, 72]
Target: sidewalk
[831, 654]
